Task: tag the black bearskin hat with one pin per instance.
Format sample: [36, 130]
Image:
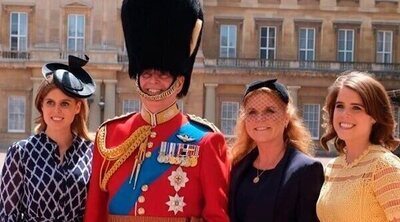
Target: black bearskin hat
[163, 35]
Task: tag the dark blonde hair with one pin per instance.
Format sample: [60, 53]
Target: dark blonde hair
[295, 133]
[78, 126]
[377, 105]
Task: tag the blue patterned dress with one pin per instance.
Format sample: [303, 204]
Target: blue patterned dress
[34, 181]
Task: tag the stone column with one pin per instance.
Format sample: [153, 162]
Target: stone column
[109, 99]
[293, 93]
[34, 113]
[209, 108]
[95, 112]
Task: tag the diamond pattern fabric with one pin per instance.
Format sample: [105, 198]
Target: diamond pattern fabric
[34, 181]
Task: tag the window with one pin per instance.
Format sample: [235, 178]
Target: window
[227, 41]
[384, 46]
[76, 32]
[267, 42]
[130, 105]
[311, 115]
[229, 113]
[18, 31]
[307, 44]
[16, 114]
[396, 112]
[345, 45]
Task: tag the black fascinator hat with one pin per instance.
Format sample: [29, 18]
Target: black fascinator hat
[272, 84]
[163, 35]
[72, 79]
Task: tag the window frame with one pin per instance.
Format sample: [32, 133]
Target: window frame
[345, 50]
[384, 52]
[306, 50]
[76, 38]
[316, 120]
[22, 128]
[19, 36]
[267, 48]
[233, 120]
[235, 31]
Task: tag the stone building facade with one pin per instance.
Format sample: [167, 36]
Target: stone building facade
[306, 44]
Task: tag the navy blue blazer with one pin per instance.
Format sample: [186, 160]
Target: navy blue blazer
[292, 195]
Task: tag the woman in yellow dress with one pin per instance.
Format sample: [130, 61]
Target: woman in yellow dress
[363, 182]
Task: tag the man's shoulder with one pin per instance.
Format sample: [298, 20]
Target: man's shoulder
[118, 119]
[204, 123]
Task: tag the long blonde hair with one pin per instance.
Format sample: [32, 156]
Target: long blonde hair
[295, 133]
[78, 126]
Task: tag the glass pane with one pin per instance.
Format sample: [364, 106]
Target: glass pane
[271, 43]
[263, 54]
[71, 26]
[349, 57]
[71, 44]
[341, 35]
[263, 42]
[272, 32]
[310, 44]
[23, 24]
[232, 37]
[341, 56]
[310, 55]
[302, 55]
[271, 54]
[388, 47]
[14, 43]
[341, 45]
[22, 44]
[80, 46]
[14, 23]
[223, 52]
[81, 26]
[264, 32]
[232, 53]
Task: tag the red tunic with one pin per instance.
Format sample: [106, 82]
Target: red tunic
[162, 189]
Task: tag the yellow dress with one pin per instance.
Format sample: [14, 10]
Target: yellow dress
[366, 190]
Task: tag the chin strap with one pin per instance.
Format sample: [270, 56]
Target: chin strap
[160, 96]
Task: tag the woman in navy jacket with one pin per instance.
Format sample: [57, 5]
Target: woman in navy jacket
[273, 177]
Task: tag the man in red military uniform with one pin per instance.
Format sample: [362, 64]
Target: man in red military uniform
[159, 164]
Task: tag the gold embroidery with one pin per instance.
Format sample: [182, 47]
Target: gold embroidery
[119, 153]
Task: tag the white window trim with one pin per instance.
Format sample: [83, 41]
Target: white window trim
[267, 48]
[76, 37]
[19, 35]
[9, 118]
[345, 51]
[307, 49]
[227, 47]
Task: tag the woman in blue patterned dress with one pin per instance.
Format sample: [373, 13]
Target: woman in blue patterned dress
[45, 176]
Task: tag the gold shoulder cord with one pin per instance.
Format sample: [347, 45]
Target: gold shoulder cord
[119, 153]
[204, 122]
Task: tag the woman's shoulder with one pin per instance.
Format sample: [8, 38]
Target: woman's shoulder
[383, 158]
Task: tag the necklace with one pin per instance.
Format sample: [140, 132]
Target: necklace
[256, 179]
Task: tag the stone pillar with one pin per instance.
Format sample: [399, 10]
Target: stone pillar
[293, 94]
[95, 111]
[209, 108]
[109, 99]
[34, 113]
